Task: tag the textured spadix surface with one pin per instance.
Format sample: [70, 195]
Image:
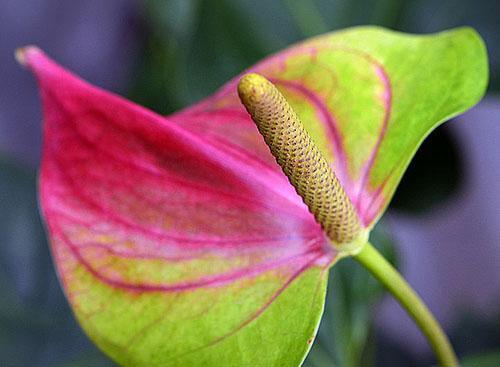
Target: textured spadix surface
[300, 159]
[180, 242]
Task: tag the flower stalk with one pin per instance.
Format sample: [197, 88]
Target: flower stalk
[392, 280]
[313, 179]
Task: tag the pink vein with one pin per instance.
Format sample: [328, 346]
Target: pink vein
[306, 236]
[387, 102]
[209, 281]
[261, 310]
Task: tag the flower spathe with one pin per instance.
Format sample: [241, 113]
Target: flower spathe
[179, 241]
[142, 206]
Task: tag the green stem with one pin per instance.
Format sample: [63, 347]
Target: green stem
[380, 268]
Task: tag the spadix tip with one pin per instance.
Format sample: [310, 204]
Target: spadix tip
[252, 88]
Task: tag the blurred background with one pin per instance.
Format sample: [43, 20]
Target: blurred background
[442, 230]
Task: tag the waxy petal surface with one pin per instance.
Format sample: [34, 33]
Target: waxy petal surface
[173, 248]
[180, 242]
[368, 97]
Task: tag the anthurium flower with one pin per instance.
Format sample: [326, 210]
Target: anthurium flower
[179, 241]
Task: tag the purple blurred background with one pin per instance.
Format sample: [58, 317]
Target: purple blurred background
[96, 38]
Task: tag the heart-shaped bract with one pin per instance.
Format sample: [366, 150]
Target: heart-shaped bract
[179, 241]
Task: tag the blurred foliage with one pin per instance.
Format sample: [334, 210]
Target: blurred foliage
[193, 46]
[484, 360]
[475, 334]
